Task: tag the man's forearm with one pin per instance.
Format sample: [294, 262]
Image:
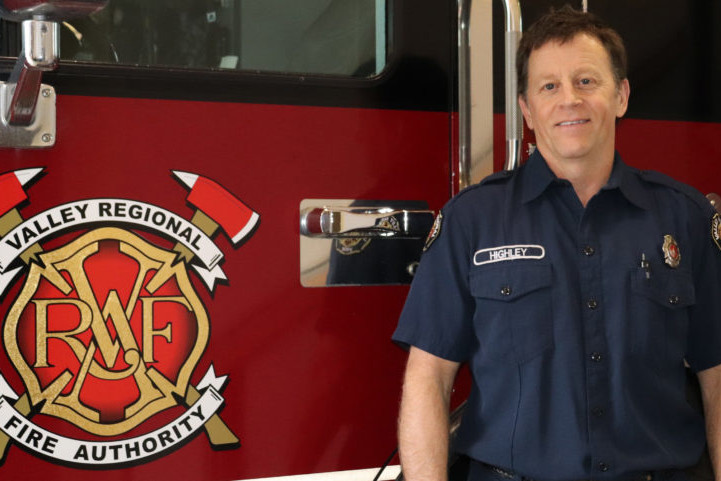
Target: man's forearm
[423, 421]
[710, 381]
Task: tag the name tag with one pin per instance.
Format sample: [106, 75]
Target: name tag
[508, 253]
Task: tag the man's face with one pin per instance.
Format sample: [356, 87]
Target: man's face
[573, 100]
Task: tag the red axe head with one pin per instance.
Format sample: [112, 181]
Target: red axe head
[233, 216]
[11, 188]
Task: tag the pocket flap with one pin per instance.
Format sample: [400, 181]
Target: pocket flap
[510, 280]
[670, 289]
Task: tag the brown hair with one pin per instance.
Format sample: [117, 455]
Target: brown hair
[562, 26]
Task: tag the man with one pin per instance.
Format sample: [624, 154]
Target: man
[576, 288]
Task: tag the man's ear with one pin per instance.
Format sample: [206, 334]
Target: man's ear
[526, 111]
[624, 92]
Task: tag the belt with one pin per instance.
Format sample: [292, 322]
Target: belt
[645, 476]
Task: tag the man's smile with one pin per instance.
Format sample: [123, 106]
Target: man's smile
[572, 122]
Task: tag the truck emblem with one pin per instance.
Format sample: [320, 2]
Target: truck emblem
[107, 329]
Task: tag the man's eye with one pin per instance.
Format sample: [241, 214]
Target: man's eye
[586, 81]
[549, 86]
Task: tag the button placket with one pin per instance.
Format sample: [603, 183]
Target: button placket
[597, 375]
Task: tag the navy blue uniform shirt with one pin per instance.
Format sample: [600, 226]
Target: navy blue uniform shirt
[575, 327]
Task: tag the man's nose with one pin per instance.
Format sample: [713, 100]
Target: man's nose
[570, 96]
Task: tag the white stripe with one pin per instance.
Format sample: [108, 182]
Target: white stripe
[391, 472]
[246, 229]
[26, 175]
[186, 178]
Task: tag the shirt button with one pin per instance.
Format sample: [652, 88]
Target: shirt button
[598, 412]
[589, 251]
[596, 357]
[603, 466]
[673, 300]
[506, 290]
[592, 304]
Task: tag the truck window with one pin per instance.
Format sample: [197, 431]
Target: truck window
[328, 37]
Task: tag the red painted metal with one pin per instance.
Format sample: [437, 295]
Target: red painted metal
[687, 151]
[314, 378]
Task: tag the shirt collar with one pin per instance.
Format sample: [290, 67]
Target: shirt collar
[626, 179]
[537, 176]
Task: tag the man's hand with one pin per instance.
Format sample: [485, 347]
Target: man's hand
[423, 423]
[710, 381]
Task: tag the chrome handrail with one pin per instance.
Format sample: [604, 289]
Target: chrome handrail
[514, 119]
[464, 94]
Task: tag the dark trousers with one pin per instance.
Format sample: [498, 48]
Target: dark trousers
[477, 471]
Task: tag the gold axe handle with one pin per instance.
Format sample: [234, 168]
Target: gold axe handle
[219, 434]
[8, 222]
[22, 405]
[207, 225]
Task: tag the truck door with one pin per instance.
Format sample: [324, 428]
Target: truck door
[159, 319]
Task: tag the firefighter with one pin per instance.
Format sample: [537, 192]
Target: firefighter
[576, 288]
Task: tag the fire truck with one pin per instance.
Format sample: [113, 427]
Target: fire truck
[210, 212]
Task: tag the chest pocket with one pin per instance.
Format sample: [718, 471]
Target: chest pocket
[660, 307]
[514, 315]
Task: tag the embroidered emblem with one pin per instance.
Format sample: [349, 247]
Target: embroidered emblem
[435, 231]
[671, 252]
[716, 229]
[351, 245]
[508, 253]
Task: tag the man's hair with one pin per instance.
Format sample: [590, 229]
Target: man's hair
[562, 26]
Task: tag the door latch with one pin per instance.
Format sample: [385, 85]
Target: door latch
[27, 106]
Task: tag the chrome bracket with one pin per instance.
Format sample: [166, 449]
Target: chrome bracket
[27, 107]
[40, 132]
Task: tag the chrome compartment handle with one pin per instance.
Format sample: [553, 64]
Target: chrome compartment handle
[359, 221]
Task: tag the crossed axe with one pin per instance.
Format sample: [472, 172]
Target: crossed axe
[215, 208]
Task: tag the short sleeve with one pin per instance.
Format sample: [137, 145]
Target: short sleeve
[438, 313]
[704, 339]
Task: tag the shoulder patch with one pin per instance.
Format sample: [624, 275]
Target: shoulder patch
[663, 179]
[435, 231]
[716, 229]
[715, 200]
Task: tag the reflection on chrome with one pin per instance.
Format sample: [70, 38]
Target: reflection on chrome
[361, 242]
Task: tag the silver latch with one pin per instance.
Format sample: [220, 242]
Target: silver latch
[27, 106]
